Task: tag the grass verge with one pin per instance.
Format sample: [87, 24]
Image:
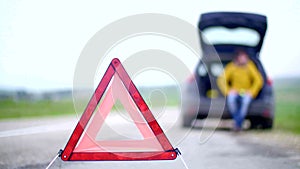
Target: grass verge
[25, 109]
[287, 113]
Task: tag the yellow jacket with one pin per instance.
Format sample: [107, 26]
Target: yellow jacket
[240, 78]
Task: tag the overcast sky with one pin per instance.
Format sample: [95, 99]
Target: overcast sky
[40, 41]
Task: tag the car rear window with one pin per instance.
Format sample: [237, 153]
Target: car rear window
[236, 36]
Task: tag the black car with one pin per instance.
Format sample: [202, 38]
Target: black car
[222, 33]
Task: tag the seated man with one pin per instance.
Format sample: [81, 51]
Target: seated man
[240, 81]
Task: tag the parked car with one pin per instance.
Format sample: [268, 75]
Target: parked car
[224, 33]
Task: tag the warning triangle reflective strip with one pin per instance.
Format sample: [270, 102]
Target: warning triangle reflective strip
[73, 153]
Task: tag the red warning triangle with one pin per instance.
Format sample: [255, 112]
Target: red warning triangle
[83, 145]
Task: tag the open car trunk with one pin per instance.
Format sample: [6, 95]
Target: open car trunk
[226, 31]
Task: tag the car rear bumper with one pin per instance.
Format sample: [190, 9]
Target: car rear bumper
[217, 108]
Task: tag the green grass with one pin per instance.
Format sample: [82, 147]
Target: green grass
[9, 108]
[287, 113]
[25, 109]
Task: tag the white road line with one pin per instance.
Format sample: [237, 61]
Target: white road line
[37, 129]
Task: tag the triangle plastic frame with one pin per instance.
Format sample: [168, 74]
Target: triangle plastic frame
[168, 152]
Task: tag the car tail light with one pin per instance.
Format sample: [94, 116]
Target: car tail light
[191, 78]
[269, 81]
[266, 113]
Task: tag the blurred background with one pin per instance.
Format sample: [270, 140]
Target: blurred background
[40, 43]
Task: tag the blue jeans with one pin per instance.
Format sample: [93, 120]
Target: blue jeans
[238, 107]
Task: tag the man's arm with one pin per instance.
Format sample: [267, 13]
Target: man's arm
[257, 80]
[223, 80]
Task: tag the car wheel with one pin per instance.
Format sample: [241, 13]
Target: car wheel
[261, 123]
[187, 122]
[254, 123]
[267, 123]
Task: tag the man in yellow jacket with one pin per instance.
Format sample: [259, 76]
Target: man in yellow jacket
[240, 80]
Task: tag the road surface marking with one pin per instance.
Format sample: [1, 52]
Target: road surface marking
[37, 129]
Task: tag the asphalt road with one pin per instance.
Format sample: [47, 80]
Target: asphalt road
[32, 143]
